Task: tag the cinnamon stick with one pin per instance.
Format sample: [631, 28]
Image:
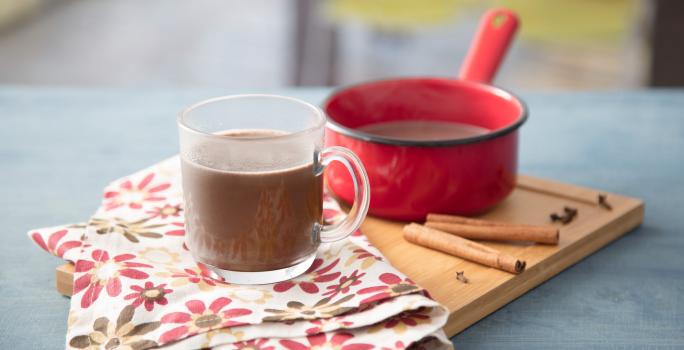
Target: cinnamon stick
[462, 248]
[492, 230]
[465, 220]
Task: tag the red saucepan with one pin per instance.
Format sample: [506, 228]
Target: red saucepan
[411, 178]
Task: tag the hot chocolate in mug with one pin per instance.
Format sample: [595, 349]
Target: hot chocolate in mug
[252, 169]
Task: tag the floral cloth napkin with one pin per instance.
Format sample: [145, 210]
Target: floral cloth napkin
[136, 286]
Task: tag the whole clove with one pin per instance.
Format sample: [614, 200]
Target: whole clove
[567, 218]
[460, 275]
[603, 202]
[569, 214]
[570, 211]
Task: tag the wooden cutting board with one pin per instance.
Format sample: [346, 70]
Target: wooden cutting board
[489, 289]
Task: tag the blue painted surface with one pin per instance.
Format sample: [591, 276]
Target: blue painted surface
[60, 146]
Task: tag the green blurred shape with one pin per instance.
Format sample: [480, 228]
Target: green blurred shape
[396, 14]
[574, 22]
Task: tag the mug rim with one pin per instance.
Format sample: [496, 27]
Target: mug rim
[318, 112]
[333, 125]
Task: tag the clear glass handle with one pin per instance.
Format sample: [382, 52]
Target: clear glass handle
[338, 231]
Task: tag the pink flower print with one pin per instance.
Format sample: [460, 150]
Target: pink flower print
[393, 285]
[135, 196]
[103, 272]
[254, 344]
[331, 216]
[177, 231]
[149, 295]
[52, 246]
[166, 211]
[321, 341]
[200, 319]
[344, 284]
[202, 276]
[307, 282]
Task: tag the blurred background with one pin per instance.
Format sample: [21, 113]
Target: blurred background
[563, 44]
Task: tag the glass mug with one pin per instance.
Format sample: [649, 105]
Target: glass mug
[252, 170]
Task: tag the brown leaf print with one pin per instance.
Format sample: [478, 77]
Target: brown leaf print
[296, 310]
[77, 225]
[131, 230]
[120, 335]
[401, 322]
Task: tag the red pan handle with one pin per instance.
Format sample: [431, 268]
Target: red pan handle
[496, 32]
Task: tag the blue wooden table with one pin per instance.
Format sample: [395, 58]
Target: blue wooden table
[60, 146]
